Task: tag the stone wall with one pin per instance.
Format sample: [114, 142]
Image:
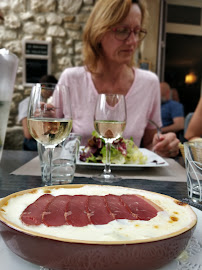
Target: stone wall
[58, 21]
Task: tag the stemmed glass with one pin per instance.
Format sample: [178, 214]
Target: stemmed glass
[49, 120]
[109, 122]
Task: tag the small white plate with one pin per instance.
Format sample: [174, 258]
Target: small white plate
[153, 160]
[190, 259]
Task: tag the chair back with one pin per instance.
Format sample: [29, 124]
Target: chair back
[187, 120]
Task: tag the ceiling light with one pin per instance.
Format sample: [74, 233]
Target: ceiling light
[190, 78]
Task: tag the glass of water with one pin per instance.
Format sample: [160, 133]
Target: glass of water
[193, 164]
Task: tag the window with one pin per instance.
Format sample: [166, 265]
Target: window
[36, 60]
[184, 15]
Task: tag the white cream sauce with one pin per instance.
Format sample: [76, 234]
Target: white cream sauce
[173, 218]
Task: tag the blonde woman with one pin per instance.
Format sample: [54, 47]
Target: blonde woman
[112, 34]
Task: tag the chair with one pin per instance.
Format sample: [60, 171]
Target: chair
[187, 120]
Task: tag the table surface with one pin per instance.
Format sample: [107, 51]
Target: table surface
[11, 160]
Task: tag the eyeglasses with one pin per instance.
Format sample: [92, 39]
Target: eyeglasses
[123, 32]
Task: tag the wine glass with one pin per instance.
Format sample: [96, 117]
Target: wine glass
[109, 122]
[49, 122]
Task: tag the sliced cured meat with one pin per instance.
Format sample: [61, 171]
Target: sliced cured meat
[77, 211]
[82, 210]
[56, 211]
[144, 209]
[158, 208]
[118, 208]
[33, 214]
[99, 212]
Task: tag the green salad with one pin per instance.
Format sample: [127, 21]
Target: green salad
[123, 151]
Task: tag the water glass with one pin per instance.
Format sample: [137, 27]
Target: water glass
[43, 158]
[193, 164]
[64, 160]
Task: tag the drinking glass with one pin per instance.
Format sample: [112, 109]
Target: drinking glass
[49, 117]
[109, 122]
[193, 165]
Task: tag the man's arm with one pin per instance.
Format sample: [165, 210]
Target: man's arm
[25, 128]
[178, 124]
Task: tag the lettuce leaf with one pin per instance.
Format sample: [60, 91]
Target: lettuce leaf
[123, 151]
[116, 156]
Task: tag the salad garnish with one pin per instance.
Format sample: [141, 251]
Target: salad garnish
[123, 151]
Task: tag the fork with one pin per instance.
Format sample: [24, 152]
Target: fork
[157, 127]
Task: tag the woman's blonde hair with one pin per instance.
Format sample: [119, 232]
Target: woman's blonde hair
[105, 14]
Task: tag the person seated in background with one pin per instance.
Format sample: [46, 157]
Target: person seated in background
[29, 143]
[194, 129]
[1, 16]
[111, 37]
[172, 112]
[175, 95]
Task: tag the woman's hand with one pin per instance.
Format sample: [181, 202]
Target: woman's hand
[167, 145]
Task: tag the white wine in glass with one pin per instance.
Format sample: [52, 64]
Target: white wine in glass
[109, 122]
[49, 122]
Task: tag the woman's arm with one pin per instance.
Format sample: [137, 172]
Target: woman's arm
[148, 138]
[195, 125]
